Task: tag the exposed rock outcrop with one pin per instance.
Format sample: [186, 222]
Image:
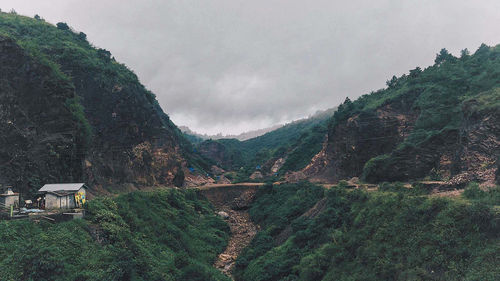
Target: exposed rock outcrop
[65, 117]
[361, 137]
[38, 133]
[218, 153]
[458, 156]
[479, 144]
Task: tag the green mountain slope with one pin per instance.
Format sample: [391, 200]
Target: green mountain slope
[124, 136]
[299, 141]
[159, 235]
[441, 122]
[42, 124]
[309, 233]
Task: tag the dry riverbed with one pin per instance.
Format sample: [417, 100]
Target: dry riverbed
[242, 232]
[232, 204]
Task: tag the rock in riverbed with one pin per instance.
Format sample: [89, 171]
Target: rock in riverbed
[223, 215]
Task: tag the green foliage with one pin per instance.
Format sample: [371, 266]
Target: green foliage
[286, 136]
[443, 56]
[299, 141]
[374, 167]
[84, 129]
[442, 95]
[274, 209]
[82, 36]
[343, 184]
[160, 235]
[485, 101]
[304, 149]
[490, 196]
[193, 139]
[279, 205]
[388, 235]
[62, 26]
[94, 72]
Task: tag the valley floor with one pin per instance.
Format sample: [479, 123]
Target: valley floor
[231, 202]
[243, 230]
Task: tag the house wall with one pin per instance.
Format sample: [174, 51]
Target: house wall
[71, 201]
[59, 202]
[51, 201]
[63, 202]
[9, 200]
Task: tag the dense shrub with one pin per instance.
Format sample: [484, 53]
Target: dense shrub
[388, 235]
[62, 26]
[488, 195]
[160, 235]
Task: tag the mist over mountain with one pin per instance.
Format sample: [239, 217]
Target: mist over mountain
[234, 66]
[241, 137]
[254, 133]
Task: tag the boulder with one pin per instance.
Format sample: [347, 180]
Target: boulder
[223, 215]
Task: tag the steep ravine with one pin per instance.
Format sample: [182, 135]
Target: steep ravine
[242, 232]
[233, 204]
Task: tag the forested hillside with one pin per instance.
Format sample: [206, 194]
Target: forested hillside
[241, 137]
[292, 145]
[159, 235]
[441, 122]
[394, 234]
[42, 124]
[116, 134]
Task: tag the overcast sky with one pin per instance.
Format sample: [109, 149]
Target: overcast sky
[232, 66]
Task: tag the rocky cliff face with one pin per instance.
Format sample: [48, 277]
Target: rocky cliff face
[469, 153]
[361, 137]
[42, 140]
[70, 112]
[134, 142]
[217, 152]
[440, 123]
[479, 143]
[39, 138]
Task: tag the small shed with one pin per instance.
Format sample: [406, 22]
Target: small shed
[64, 195]
[8, 197]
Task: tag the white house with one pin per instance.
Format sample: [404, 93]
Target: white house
[64, 195]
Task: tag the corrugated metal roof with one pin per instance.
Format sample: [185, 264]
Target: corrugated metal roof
[62, 193]
[61, 186]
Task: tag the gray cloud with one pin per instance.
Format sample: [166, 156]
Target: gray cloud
[230, 66]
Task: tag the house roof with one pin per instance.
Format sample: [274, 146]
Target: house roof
[62, 193]
[62, 187]
[7, 195]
